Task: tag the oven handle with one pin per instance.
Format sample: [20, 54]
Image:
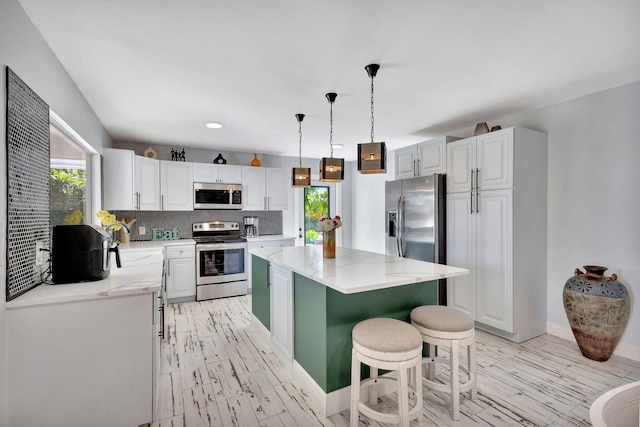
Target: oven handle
[217, 246]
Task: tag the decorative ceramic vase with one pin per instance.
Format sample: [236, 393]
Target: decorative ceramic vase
[481, 128]
[255, 161]
[329, 244]
[597, 307]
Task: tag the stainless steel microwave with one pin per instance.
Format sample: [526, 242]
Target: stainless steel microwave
[217, 196]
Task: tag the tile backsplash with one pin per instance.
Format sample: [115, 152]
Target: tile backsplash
[270, 222]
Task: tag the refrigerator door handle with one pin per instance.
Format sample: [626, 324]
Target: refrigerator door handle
[400, 225]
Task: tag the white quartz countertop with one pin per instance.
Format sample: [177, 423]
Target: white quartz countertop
[269, 238]
[141, 272]
[353, 271]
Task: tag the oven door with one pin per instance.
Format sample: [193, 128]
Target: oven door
[220, 262]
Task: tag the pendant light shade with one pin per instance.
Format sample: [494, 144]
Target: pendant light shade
[300, 177]
[331, 169]
[372, 156]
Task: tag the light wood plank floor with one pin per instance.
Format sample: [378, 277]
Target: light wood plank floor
[217, 371]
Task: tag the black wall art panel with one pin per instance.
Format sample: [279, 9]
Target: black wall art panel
[27, 184]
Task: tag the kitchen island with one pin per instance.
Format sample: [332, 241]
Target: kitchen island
[307, 306]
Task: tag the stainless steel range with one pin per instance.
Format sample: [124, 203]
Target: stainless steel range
[220, 260]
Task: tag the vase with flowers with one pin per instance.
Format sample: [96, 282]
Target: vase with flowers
[327, 226]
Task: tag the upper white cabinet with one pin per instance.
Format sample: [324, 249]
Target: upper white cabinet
[265, 188]
[422, 159]
[130, 182]
[497, 228]
[176, 185]
[482, 162]
[212, 172]
[147, 184]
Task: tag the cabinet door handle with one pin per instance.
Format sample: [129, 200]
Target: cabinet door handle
[162, 202]
[268, 274]
[477, 179]
[418, 172]
[477, 202]
[471, 201]
[472, 187]
[137, 207]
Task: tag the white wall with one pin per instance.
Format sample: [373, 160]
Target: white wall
[26, 53]
[593, 196]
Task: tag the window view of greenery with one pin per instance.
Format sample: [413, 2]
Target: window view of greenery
[67, 193]
[68, 186]
[316, 205]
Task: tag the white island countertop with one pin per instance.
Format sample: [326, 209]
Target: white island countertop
[353, 271]
[141, 273]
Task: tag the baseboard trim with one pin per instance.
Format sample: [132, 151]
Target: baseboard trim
[328, 404]
[260, 328]
[623, 349]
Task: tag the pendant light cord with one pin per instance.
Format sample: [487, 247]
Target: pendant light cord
[300, 144]
[331, 127]
[372, 108]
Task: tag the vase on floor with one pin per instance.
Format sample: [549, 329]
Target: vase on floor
[329, 244]
[597, 308]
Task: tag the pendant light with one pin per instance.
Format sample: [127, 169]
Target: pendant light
[331, 169]
[372, 156]
[300, 177]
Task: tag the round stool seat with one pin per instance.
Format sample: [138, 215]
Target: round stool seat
[382, 338]
[439, 319]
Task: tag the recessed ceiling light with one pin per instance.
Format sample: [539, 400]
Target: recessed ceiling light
[338, 146]
[214, 125]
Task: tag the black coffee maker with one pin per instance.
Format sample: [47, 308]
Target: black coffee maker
[81, 253]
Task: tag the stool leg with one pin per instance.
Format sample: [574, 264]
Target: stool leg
[403, 396]
[432, 367]
[471, 357]
[373, 389]
[455, 380]
[355, 388]
[417, 386]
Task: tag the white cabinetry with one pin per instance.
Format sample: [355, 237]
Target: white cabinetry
[211, 172]
[497, 228]
[130, 181]
[265, 189]
[180, 272]
[83, 363]
[281, 289]
[176, 186]
[425, 158]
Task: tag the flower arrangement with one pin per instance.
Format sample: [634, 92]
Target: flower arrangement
[327, 224]
[107, 218]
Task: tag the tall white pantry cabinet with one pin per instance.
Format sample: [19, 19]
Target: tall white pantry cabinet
[497, 228]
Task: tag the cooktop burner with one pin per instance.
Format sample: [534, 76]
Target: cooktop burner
[216, 232]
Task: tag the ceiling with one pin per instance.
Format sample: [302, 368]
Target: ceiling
[155, 71]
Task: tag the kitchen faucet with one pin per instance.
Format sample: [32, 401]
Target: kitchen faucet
[113, 224]
[114, 248]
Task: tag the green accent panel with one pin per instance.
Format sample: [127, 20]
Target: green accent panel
[324, 318]
[345, 311]
[261, 294]
[309, 327]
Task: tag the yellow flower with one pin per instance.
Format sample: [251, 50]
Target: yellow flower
[74, 217]
[108, 218]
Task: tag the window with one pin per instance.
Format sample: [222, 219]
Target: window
[70, 188]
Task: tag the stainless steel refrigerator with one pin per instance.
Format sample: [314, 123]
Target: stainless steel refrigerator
[415, 221]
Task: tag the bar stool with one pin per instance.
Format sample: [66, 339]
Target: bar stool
[389, 344]
[449, 328]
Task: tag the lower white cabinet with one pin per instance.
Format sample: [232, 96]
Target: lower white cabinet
[180, 272]
[83, 363]
[281, 292]
[264, 242]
